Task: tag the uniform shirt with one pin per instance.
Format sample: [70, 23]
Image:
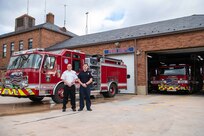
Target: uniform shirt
[85, 76]
[69, 76]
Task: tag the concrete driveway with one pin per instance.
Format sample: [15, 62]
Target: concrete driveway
[152, 115]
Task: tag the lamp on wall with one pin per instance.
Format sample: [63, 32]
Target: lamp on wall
[138, 52]
[117, 45]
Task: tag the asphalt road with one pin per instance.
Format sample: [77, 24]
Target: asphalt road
[14, 105]
[124, 115]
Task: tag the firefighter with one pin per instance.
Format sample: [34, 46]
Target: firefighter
[85, 79]
[69, 77]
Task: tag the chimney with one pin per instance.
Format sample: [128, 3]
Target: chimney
[50, 18]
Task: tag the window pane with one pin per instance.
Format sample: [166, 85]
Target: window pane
[49, 62]
[30, 43]
[20, 45]
[25, 61]
[12, 49]
[19, 22]
[4, 50]
[76, 65]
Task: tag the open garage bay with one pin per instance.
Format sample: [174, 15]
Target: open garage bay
[180, 70]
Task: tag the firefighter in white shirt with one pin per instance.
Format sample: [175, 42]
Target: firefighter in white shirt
[69, 77]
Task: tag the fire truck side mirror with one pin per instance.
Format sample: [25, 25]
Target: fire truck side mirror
[128, 76]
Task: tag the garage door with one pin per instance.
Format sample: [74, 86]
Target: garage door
[129, 61]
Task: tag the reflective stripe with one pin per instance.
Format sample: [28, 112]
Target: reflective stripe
[17, 92]
[169, 88]
[120, 84]
[21, 92]
[114, 65]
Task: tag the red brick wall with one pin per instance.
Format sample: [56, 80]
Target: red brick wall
[50, 38]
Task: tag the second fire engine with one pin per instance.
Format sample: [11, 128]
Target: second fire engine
[178, 77]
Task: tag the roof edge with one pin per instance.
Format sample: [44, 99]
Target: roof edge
[131, 38]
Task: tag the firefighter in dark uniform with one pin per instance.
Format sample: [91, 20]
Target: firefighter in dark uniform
[85, 79]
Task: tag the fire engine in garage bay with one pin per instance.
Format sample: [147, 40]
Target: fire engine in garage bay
[178, 77]
[36, 74]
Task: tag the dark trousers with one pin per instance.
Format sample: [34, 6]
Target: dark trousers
[84, 93]
[69, 92]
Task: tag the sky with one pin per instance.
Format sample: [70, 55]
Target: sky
[103, 15]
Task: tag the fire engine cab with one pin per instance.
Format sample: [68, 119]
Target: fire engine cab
[36, 74]
[178, 77]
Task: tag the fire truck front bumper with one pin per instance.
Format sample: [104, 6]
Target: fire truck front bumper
[172, 88]
[18, 92]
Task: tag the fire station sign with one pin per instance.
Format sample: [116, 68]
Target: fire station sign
[119, 50]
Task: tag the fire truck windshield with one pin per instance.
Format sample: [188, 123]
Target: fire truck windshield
[25, 61]
[172, 71]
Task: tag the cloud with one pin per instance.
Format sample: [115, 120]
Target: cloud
[116, 16]
[103, 14]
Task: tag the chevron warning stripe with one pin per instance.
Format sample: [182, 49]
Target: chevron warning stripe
[18, 92]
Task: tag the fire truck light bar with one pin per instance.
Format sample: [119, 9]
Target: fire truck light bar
[28, 51]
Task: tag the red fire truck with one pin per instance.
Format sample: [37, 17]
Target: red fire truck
[181, 77]
[36, 73]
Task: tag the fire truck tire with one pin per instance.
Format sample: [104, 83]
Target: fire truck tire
[36, 99]
[111, 92]
[58, 96]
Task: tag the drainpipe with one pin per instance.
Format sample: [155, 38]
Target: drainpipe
[40, 38]
[146, 62]
[136, 64]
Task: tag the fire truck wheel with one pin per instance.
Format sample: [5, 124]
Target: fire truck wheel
[36, 99]
[112, 91]
[58, 96]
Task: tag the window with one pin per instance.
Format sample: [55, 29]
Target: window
[12, 49]
[49, 62]
[30, 22]
[76, 65]
[25, 61]
[20, 22]
[4, 50]
[20, 45]
[173, 71]
[68, 55]
[76, 56]
[30, 43]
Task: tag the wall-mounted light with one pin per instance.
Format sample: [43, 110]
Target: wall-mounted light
[117, 45]
[138, 52]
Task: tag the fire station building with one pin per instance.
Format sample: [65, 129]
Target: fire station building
[141, 47]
